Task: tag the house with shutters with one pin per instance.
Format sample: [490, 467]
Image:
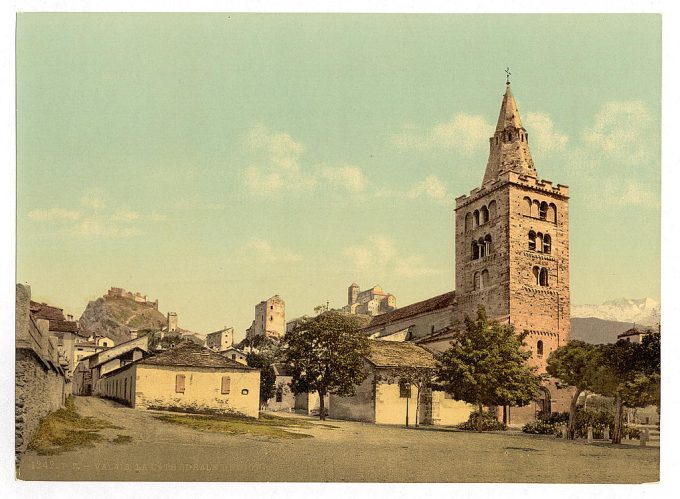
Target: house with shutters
[187, 378]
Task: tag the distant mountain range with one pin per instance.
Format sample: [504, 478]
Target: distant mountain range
[602, 323]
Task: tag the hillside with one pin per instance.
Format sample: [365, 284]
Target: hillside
[593, 330]
[115, 316]
[640, 311]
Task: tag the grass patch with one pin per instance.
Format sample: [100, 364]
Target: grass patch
[122, 439]
[65, 430]
[265, 426]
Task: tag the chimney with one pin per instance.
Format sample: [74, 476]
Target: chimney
[70, 317]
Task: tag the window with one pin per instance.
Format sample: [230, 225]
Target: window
[536, 272]
[404, 389]
[543, 277]
[485, 279]
[539, 348]
[535, 208]
[476, 215]
[233, 356]
[484, 214]
[527, 207]
[104, 343]
[492, 210]
[244, 391]
[226, 385]
[475, 281]
[543, 211]
[546, 243]
[179, 383]
[487, 244]
[475, 250]
[552, 213]
[532, 240]
[271, 307]
[279, 394]
[271, 317]
[468, 222]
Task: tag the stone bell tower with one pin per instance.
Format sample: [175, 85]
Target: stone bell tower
[512, 242]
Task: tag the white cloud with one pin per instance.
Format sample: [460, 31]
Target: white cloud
[124, 215]
[627, 193]
[380, 254]
[544, 138]
[99, 227]
[413, 266]
[264, 252]
[431, 187]
[464, 133]
[54, 213]
[278, 166]
[620, 131]
[348, 176]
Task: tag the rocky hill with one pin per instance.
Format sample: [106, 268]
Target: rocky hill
[115, 316]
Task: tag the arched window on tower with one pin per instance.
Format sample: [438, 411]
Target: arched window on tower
[468, 222]
[535, 208]
[552, 213]
[532, 240]
[475, 281]
[539, 348]
[539, 242]
[543, 211]
[526, 206]
[537, 273]
[484, 215]
[484, 279]
[492, 210]
[475, 250]
[482, 247]
[487, 244]
[543, 277]
[476, 215]
[547, 240]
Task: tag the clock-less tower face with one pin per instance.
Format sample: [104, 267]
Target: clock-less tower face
[512, 242]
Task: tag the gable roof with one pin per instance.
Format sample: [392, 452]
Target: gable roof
[190, 354]
[418, 308]
[399, 354]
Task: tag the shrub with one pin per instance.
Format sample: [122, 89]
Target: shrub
[542, 427]
[631, 432]
[554, 417]
[489, 422]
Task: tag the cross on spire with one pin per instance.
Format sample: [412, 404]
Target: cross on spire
[507, 76]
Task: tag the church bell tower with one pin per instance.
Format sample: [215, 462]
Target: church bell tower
[512, 242]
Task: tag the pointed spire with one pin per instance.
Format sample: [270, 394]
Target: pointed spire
[509, 146]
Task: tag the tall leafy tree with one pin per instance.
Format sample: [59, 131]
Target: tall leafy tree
[486, 365]
[326, 355]
[575, 364]
[267, 375]
[631, 373]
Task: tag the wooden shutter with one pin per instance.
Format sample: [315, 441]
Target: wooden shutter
[179, 383]
[226, 385]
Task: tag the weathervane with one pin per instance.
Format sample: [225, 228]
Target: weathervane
[507, 77]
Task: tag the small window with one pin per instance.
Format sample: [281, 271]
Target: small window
[104, 343]
[271, 307]
[539, 348]
[271, 317]
[233, 356]
[404, 389]
[543, 211]
[547, 243]
[543, 277]
[226, 385]
[532, 240]
[179, 383]
[244, 391]
[279, 394]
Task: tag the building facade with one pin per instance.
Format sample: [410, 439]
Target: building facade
[220, 340]
[373, 301]
[270, 319]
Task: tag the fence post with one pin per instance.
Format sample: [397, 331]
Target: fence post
[606, 432]
[590, 434]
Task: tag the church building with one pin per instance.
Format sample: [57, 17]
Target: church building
[512, 256]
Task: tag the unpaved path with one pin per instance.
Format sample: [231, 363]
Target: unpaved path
[351, 452]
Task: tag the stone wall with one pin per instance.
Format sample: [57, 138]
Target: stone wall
[39, 378]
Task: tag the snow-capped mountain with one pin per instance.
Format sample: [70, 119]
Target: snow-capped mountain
[645, 312]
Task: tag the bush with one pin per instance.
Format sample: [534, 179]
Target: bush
[554, 417]
[489, 422]
[542, 427]
[631, 432]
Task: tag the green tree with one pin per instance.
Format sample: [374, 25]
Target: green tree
[326, 355]
[267, 375]
[575, 364]
[422, 378]
[486, 365]
[631, 373]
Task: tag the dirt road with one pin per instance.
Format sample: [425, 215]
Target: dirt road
[351, 452]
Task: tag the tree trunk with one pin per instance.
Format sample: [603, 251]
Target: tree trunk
[417, 405]
[479, 420]
[572, 415]
[618, 420]
[322, 408]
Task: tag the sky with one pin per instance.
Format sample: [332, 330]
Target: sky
[214, 160]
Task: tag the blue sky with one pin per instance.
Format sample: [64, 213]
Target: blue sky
[212, 161]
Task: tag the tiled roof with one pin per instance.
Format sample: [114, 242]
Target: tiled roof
[631, 332]
[64, 326]
[44, 311]
[190, 354]
[399, 354]
[421, 307]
